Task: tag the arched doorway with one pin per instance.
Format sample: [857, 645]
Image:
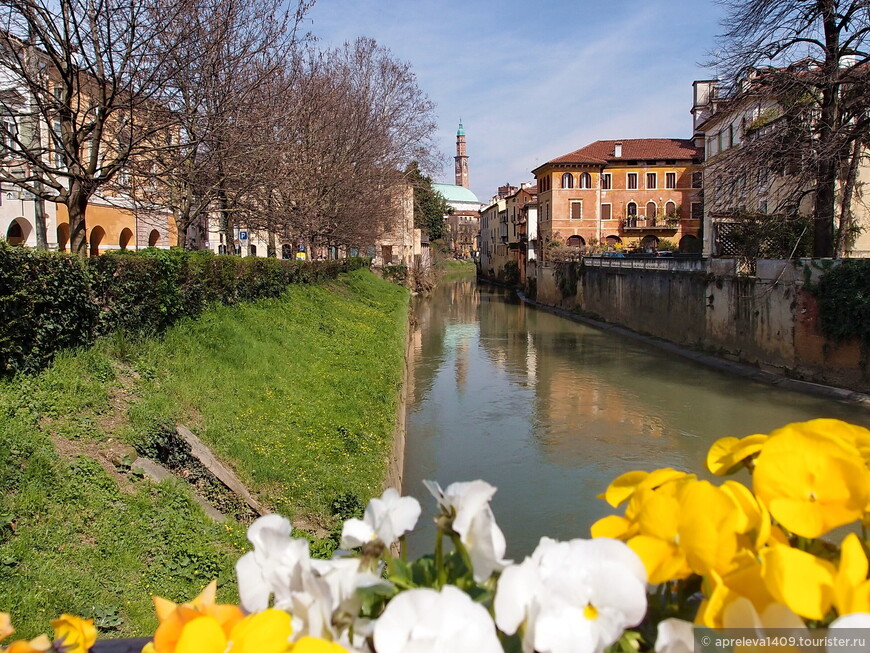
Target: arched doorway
[153, 238]
[286, 251]
[613, 240]
[18, 232]
[62, 236]
[126, 237]
[690, 244]
[97, 235]
[649, 242]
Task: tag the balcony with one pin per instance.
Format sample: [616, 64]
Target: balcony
[637, 223]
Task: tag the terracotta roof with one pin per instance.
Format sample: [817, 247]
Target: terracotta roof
[602, 152]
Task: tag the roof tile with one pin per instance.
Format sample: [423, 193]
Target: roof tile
[602, 152]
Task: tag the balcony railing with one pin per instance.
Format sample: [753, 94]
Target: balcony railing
[656, 224]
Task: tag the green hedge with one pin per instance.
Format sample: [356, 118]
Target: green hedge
[49, 301]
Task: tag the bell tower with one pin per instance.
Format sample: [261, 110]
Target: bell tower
[461, 157]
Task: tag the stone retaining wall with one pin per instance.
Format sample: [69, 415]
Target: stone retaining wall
[768, 320]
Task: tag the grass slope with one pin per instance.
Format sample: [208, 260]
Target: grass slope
[297, 394]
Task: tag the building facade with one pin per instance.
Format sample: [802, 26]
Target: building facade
[738, 187]
[638, 193]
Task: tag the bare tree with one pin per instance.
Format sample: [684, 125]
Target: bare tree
[807, 61]
[357, 120]
[227, 75]
[84, 91]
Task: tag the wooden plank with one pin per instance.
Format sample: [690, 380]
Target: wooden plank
[202, 453]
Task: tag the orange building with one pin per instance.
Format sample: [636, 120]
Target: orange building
[633, 192]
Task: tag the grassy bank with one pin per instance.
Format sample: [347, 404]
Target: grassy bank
[297, 394]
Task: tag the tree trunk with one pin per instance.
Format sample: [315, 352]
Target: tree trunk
[271, 247]
[39, 220]
[77, 204]
[826, 177]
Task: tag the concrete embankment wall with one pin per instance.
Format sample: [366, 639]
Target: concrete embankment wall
[768, 320]
[396, 464]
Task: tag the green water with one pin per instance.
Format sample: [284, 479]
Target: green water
[550, 411]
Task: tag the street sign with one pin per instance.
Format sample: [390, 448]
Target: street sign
[243, 235]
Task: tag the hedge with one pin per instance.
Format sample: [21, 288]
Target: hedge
[51, 301]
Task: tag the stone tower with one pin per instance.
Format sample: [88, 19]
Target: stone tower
[461, 158]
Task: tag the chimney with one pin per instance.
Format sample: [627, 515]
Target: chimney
[617, 150]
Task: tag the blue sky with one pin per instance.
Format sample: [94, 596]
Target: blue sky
[535, 80]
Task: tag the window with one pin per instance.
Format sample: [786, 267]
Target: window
[650, 210]
[632, 181]
[606, 181]
[671, 210]
[576, 210]
[697, 210]
[651, 182]
[606, 213]
[585, 180]
[671, 180]
[567, 180]
[697, 179]
[632, 209]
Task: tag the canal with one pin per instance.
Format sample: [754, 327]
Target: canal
[550, 411]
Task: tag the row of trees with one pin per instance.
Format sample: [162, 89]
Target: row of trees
[808, 63]
[204, 106]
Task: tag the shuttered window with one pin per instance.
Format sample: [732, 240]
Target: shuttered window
[576, 210]
[605, 212]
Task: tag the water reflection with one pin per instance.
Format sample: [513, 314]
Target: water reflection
[550, 411]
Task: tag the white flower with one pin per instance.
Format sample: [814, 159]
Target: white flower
[428, 621]
[853, 622]
[467, 506]
[273, 567]
[574, 596]
[675, 636]
[386, 519]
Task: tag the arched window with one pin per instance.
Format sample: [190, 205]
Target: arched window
[18, 231]
[649, 242]
[671, 210]
[567, 180]
[286, 251]
[613, 240]
[585, 180]
[631, 209]
[62, 236]
[97, 235]
[691, 244]
[252, 250]
[153, 238]
[126, 237]
[576, 241]
[650, 210]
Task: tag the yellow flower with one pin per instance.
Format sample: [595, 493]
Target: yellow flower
[851, 586]
[36, 645]
[6, 628]
[314, 645]
[798, 580]
[78, 635]
[687, 526]
[727, 454]
[722, 590]
[178, 623]
[264, 632]
[810, 479]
